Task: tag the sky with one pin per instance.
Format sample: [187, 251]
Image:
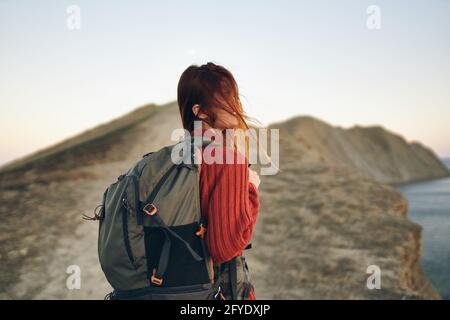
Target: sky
[319, 58]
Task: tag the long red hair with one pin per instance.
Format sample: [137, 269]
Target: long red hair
[211, 86]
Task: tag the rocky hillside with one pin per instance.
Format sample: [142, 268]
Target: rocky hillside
[374, 151]
[326, 224]
[322, 221]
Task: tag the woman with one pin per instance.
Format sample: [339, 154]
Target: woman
[228, 191]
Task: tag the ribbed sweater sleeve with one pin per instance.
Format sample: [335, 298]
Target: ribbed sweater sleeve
[230, 203]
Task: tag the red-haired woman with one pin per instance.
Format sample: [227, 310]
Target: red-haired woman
[228, 191]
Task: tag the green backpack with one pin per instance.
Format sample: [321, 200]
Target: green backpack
[151, 233]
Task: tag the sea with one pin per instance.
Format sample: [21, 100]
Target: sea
[429, 206]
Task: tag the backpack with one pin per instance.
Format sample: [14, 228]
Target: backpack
[151, 233]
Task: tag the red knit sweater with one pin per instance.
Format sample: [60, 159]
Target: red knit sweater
[230, 203]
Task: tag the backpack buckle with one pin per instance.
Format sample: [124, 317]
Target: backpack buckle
[154, 279]
[150, 209]
[201, 231]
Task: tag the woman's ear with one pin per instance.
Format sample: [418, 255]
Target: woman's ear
[195, 109]
[197, 112]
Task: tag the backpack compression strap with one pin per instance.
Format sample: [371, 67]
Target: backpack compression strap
[158, 274]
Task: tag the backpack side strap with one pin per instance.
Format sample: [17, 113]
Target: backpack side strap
[203, 223]
[233, 278]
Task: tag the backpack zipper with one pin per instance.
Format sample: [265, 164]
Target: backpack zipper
[135, 179]
[125, 212]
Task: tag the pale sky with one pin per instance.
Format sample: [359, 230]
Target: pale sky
[289, 57]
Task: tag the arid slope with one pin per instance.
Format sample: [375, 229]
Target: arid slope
[322, 221]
